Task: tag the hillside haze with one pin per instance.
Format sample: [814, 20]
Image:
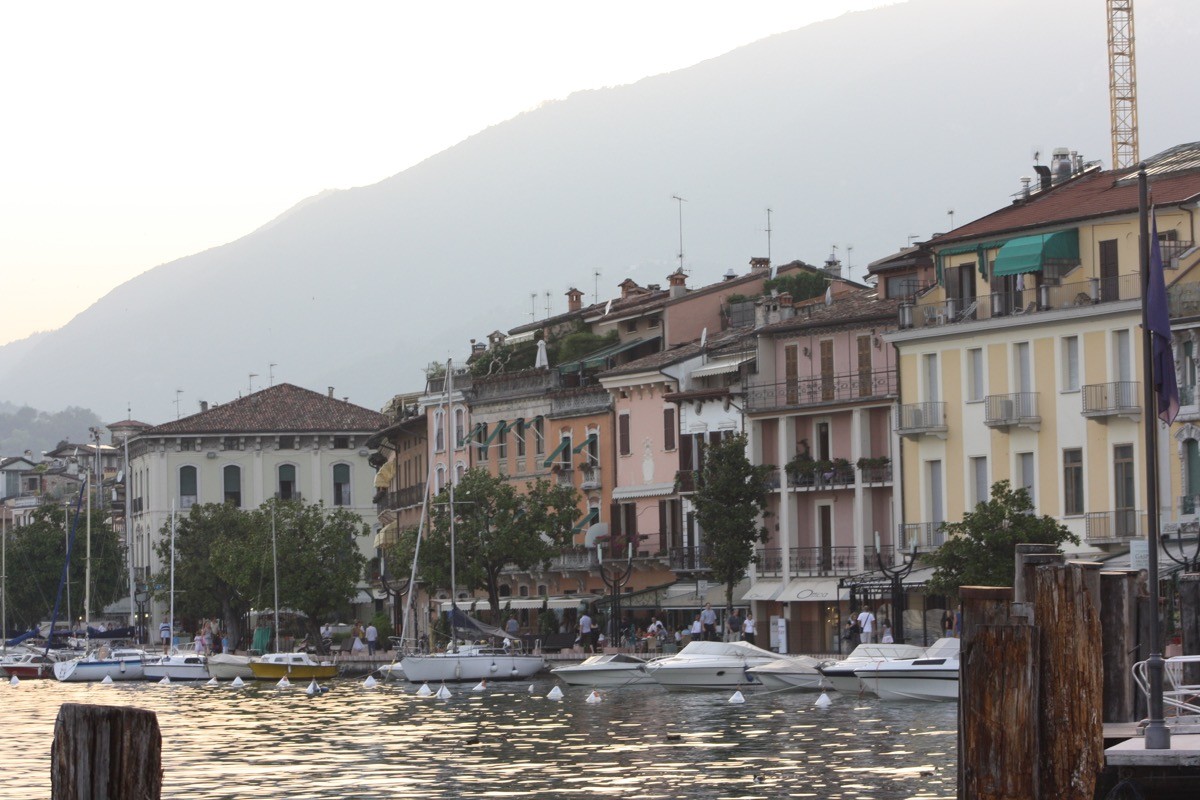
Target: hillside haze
[858, 131]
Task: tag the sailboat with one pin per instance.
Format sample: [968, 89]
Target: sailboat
[274, 666]
[176, 665]
[467, 662]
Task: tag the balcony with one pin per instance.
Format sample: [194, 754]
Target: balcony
[876, 476]
[922, 536]
[576, 402]
[1039, 299]
[574, 560]
[1120, 399]
[590, 478]
[822, 475]
[918, 419]
[768, 561]
[1188, 505]
[822, 390]
[1113, 527]
[392, 501]
[688, 559]
[1019, 409]
[565, 477]
[511, 385]
[811, 561]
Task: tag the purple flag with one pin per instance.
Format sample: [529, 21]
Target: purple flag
[1159, 320]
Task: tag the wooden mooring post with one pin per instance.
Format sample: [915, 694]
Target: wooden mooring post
[1031, 686]
[1118, 633]
[105, 753]
[1189, 607]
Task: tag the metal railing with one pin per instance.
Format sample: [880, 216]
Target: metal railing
[872, 475]
[1044, 297]
[574, 560]
[401, 498]
[768, 561]
[1113, 526]
[688, 559]
[822, 477]
[916, 418]
[1017, 408]
[921, 535]
[1105, 399]
[824, 561]
[817, 390]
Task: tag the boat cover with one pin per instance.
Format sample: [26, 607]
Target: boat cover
[461, 622]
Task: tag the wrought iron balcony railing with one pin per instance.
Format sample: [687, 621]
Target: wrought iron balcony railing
[1111, 527]
[1122, 398]
[1005, 410]
[914, 419]
[923, 536]
[817, 390]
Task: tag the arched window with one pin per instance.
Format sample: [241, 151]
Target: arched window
[341, 484]
[460, 470]
[439, 431]
[188, 489]
[1191, 456]
[233, 485]
[460, 428]
[439, 478]
[287, 482]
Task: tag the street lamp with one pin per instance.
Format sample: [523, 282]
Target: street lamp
[1189, 561]
[897, 575]
[141, 596]
[394, 591]
[614, 576]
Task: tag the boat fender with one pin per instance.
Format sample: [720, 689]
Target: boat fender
[15, 680]
[122, 663]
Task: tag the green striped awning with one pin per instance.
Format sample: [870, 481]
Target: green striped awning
[562, 445]
[591, 518]
[583, 445]
[500, 428]
[1032, 253]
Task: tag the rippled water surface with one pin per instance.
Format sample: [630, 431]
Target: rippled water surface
[640, 742]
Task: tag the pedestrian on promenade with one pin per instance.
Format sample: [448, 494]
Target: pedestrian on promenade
[164, 633]
[585, 633]
[356, 639]
[866, 621]
[708, 618]
[734, 626]
[697, 629]
[372, 638]
[748, 628]
[886, 630]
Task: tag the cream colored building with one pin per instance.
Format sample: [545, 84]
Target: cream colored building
[284, 442]
[1023, 363]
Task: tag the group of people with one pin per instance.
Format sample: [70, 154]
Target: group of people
[360, 638]
[862, 629]
[705, 627]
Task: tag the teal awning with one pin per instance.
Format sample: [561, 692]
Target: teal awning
[583, 445]
[591, 518]
[1032, 253]
[562, 445]
[599, 358]
[501, 426]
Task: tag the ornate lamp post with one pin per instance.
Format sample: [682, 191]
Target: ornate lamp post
[615, 575]
[141, 597]
[1189, 562]
[394, 590]
[897, 574]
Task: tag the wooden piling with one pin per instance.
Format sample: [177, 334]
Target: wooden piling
[1189, 606]
[1118, 636]
[1031, 553]
[998, 699]
[105, 753]
[1067, 605]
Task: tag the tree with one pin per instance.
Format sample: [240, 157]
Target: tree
[980, 550]
[36, 554]
[319, 562]
[730, 499]
[496, 526]
[200, 590]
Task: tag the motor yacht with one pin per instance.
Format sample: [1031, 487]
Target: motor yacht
[120, 664]
[177, 666]
[710, 665]
[841, 673]
[293, 666]
[610, 670]
[791, 672]
[471, 663]
[933, 676]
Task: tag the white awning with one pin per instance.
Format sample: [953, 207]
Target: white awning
[811, 590]
[595, 532]
[517, 338]
[645, 490]
[763, 590]
[518, 603]
[722, 366]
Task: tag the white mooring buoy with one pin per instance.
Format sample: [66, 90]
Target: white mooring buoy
[737, 697]
[212, 682]
[283, 683]
[444, 693]
[424, 691]
[554, 694]
[370, 682]
[237, 682]
[594, 697]
[823, 701]
[107, 679]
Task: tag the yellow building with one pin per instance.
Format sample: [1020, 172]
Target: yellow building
[1023, 362]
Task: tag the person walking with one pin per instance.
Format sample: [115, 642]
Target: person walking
[164, 633]
[708, 618]
[866, 621]
[748, 629]
[734, 626]
[372, 638]
[585, 633]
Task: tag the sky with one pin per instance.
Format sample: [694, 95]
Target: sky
[137, 133]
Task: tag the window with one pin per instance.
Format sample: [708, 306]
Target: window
[483, 437]
[864, 366]
[1072, 482]
[565, 453]
[1070, 364]
[979, 481]
[670, 428]
[1024, 376]
[975, 390]
[654, 322]
[439, 431]
[287, 481]
[519, 438]
[1187, 375]
[233, 485]
[341, 443]
[460, 469]
[1025, 476]
[1122, 356]
[187, 487]
[187, 444]
[623, 435]
[287, 442]
[460, 428]
[631, 326]
[593, 448]
[502, 441]
[1109, 271]
[826, 369]
[937, 505]
[539, 436]
[1124, 486]
[341, 484]
[439, 478]
[930, 369]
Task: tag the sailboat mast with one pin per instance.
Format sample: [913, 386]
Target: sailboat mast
[275, 563]
[448, 421]
[172, 567]
[87, 566]
[4, 580]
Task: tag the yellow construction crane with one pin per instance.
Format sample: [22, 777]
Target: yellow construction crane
[1122, 84]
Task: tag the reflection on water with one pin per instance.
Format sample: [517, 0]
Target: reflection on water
[641, 742]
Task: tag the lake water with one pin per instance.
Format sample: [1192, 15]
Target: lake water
[640, 742]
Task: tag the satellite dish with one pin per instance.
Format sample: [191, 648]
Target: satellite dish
[608, 307]
[703, 338]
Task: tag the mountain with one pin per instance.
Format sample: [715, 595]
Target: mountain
[861, 130]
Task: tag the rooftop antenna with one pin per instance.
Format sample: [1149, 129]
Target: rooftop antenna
[250, 383]
[177, 393]
[849, 253]
[271, 373]
[912, 237]
[768, 235]
[950, 214]
[680, 201]
[547, 304]
[596, 286]
[532, 306]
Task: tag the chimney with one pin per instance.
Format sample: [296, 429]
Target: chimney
[786, 308]
[760, 264]
[760, 313]
[628, 287]
[1043, 176]
[677, 280]
[1061, 164]
[203, 406]
[1025, 181]
[574, 299]
[477, 347]
[833, 266]
[729, 275]
[331, 392]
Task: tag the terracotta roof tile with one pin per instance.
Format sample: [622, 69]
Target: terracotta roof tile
[282, 408]
[848, 310]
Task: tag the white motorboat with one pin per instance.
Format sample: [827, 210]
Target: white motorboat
[226, 667]
[26, 664]
[610, 669]
[933, 676]
[471, 663]
[791, 672]
[177, 666]
[711, 665]
[293, 666]
[841, 673]
[391, 672]
[120, 664]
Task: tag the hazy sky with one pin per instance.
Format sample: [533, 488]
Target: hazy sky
[137, 133]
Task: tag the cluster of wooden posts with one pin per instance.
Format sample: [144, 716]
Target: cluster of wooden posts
[1045, 663]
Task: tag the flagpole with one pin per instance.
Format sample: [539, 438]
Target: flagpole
[1157, 734]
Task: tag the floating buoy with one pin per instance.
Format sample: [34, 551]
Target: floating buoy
[313, 688]
[823, 701]
[15, 680]
[493, 667]
[531, 688]
[424, 691]
[444, 693]
[166, 679]
[211, 682]
[370, 682]
[283, 683]
[237, 682]
[481, 686]
[737, 697]
[594, 697]
[107, 679]
[554, 694]
[514, 672]
[674, 737]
